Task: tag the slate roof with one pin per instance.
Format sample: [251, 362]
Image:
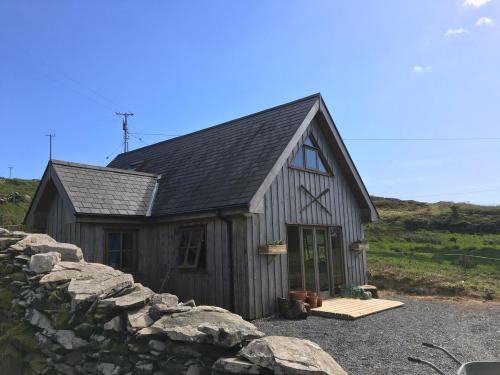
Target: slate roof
[221, 166]
[105, 191]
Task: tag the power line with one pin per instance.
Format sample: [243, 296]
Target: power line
[162, 134]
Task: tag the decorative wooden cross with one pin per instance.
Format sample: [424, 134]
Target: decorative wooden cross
[316, 199]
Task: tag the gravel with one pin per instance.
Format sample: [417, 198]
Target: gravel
[381, 343]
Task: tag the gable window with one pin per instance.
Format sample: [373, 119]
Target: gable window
[120, 249]
[309, 157]
[192, 248]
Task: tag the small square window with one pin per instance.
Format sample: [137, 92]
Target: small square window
[192, 248]
[120, 248]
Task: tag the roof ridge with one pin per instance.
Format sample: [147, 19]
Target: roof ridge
[318, 94]
[105, 169]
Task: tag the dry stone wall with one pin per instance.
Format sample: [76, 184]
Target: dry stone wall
[88, 318]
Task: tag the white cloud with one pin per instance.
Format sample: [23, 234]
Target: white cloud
[421, 69]
[484, 21]
[455, 32]
[475, 3]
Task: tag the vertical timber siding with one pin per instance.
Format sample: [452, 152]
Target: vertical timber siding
[283, 203]
[157, 251]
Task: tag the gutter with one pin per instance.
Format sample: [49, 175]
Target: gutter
[229, 224]
[153, 196]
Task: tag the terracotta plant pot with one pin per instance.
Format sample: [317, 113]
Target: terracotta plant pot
[298, 295]
[320, 302]
[312, 301]
[312, 294]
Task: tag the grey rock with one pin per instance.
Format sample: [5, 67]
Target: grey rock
[157, 345]
[144, 368]
[41, 263]
[159, 309]
[84, 330]
[23, 259]
[68, 340]
[138, 319]
[189, 303]
[236, 365]
[64, 369]
[30, 240]
[107, 369]
[138, 296]
[88, 281]
[4, 232]
[205, 325]
[165, 298]
[100, 341]
[38, 319]
[69, 252]
[114, 324]
[290, 355]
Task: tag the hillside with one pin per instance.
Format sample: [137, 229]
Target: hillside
[15, 197]
[441, 248]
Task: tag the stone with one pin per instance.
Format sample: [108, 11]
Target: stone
[236, 365]
[88, 281]
[138, 296]
[84, 330]
[38, 319]
[114, 324]
[204, 325]
[292, 309]
[68, 340]
[158, 310]
[157, 345]
[64, 369]
[143, 368]
[42, 263]
[290, 355]
[69, 252]
[31, 240]
[165, 298]
[108, 369]
[189, 303]
[4, 232]
[138, 319]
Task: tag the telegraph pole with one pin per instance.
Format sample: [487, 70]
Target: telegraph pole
[50, 144]
[10, 172]
[125, 128]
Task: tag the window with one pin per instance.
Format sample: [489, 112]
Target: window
[120, 246]
[192, 248]
[309, 157]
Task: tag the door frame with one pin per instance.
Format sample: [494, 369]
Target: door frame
[325, 228]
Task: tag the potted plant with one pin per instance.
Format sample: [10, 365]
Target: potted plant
[273, 248]
[298, 295]
[360, 246]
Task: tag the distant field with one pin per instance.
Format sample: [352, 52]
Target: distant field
[434, 249]
[12, 211]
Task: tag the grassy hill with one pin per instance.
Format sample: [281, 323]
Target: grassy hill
[442, 248]
[416, 247]
[15, 197]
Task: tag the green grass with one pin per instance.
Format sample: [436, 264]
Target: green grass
[432, 248]
[12, 213]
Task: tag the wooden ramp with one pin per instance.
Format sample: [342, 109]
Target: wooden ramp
[351, 308]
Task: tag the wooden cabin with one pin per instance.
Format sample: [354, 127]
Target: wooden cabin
[234, 215]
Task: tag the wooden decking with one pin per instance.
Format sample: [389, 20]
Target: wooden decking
[350, 308]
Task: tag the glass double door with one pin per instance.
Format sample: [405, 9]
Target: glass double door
[309, 259]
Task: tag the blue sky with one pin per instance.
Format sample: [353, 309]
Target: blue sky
[386, 69]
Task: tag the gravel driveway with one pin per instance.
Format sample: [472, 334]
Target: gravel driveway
[381, 343]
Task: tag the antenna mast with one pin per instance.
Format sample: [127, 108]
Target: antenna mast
[125, 128]
[50, 144]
